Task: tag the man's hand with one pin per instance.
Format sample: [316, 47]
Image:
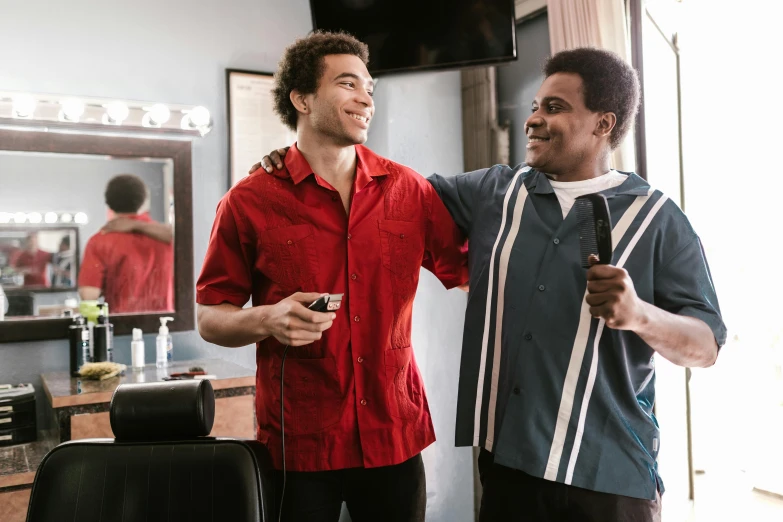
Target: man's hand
[275, 159]
[612, 297]
[157, 231]
[292, 323]
[120, 224]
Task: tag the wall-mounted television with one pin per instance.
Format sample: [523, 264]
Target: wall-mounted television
[406, 35]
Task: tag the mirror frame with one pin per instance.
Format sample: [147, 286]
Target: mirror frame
[179, 151]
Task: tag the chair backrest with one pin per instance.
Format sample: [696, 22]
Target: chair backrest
[149, 472]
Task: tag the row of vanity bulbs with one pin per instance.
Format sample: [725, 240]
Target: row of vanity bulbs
[115, 113]
[19, 218]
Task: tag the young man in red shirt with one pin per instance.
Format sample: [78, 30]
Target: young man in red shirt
[337, 219]
[131, 261]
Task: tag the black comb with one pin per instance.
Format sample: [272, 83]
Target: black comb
[595, 229]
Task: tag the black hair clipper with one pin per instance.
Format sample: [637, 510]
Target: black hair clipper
[595, 229]
[327, 303]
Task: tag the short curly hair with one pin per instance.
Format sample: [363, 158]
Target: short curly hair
[303, 65]
[610, 84]
[125, 193]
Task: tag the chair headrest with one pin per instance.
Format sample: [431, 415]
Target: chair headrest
[171, 410]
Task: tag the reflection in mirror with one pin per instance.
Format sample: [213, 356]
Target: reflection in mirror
[40, 261]
[82, 227]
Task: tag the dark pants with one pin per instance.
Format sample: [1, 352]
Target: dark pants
[388, 494]
[511, 495]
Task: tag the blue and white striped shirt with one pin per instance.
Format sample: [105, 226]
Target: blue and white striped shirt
[547, 388]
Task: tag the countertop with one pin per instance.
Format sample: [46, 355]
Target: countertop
[62, 390]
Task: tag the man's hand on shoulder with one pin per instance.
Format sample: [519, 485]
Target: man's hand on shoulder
[273, 161]
[120, 224]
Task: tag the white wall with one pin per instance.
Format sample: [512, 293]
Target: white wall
[418, 122]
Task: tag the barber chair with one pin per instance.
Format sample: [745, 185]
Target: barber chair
[160, 467]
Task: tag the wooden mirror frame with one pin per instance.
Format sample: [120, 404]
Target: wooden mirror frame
[179, 151]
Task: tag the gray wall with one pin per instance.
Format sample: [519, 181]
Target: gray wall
[177, 51]
[61, 183]
[518, 82]
[418, 122]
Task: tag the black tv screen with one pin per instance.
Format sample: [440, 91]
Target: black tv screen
[408, 35]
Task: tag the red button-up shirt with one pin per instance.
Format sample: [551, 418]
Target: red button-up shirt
[356, 397]
[135, 272]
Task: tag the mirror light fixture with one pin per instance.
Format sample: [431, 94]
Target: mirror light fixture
[101, 115]
[49, 217]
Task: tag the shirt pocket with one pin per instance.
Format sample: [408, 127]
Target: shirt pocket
[289, 256]
[402, 246]
[312, 394]
[404, 392]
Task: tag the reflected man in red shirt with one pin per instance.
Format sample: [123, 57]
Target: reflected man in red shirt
[131, 261]
[32, 262]
[337, 219]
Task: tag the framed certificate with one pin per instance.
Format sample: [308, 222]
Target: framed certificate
[254, 129]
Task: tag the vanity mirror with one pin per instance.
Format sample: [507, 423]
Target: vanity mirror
[57, 191]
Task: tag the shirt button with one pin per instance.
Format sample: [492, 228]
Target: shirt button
[360, 360]
[290, 242]
[356, 319]
[556, 241]
[516, 390]
[528, 336]
[353, 276]
[541, 288]
[402, 236]
[363, 402]
[349, 236]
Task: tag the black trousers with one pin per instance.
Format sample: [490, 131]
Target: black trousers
[388, 494]
[511, 495]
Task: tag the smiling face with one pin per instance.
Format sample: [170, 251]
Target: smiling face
[562, 132]
[342, 107]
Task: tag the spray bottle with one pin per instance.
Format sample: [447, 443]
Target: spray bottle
[163, 344]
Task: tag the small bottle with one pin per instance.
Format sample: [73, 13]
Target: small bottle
[103, 337]
[163, 344]
[2, 304]
[137, 350]
[78, 338]
[86, 346]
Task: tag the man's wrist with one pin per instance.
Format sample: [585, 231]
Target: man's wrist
[260, 318]
[644, 317]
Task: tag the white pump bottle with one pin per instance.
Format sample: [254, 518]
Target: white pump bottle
[163, 344]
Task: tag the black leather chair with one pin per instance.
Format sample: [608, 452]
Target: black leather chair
[160, 467]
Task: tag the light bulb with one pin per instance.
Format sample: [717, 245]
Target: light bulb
[80, 218]
[72, 109]
[20, 217]
[66, 218]
[34, 217]
[117, 112]
[50, 217]
[199, 116]
[159, 114]
[5, 217]
[24, 106]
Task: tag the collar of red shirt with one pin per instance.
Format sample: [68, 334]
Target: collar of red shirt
[368, 165]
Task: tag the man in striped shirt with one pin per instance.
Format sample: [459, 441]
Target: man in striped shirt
[557, 381]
